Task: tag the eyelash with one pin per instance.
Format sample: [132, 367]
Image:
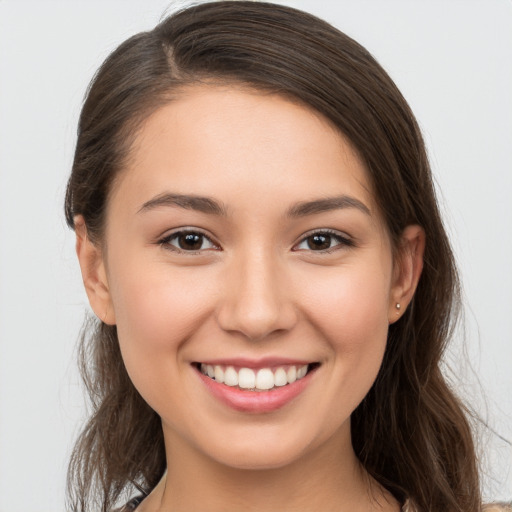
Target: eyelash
[343, 241]
[166, 241]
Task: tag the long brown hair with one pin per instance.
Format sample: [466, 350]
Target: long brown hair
[410, 432]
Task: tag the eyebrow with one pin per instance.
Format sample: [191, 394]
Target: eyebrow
[213, 207]
[188, 202]
[324, 205]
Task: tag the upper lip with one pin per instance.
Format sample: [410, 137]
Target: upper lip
[264, 362]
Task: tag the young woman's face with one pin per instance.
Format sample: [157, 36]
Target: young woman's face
[243, 240]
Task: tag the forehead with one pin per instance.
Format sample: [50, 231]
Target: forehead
[224, 140]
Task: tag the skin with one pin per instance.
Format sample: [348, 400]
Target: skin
[255, 288]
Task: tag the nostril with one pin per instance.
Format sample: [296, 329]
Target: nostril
[256, 323]
[255, 303]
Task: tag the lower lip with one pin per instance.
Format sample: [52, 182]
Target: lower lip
[256, 401]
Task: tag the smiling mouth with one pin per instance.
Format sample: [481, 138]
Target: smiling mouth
[262, 379]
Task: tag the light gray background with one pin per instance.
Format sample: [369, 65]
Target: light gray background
[451, 59]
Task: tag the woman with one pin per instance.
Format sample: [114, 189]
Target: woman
[259, 237]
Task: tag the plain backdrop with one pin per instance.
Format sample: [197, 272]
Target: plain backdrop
[453, 62]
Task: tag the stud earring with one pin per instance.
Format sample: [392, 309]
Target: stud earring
[398, 306]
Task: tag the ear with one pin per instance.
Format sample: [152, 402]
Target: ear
[407, 270]
[92, 265]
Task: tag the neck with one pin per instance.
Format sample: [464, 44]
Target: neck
[329, 478]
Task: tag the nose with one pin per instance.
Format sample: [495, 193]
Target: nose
[256, 299]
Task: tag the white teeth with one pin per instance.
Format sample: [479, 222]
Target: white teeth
[219, 374]
[280, 377]
[264, 379]
[247, 378]
[231, 376]
[301, 372]
[291, 375]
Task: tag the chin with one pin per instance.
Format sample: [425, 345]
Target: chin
[255, 459]
[267, 448]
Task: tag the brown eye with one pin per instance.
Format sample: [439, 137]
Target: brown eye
[324, 241]
[319, 242]
[188, 241]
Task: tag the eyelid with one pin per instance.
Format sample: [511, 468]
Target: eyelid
[164, 241]
[344, 240]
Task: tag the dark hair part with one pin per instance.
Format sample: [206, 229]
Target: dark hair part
[410, 432]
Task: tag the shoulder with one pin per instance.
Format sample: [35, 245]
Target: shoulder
[130, 506]
[490, 507]
[497, 507]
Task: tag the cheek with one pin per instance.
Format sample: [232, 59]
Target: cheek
[351, 318]
[157, 310]
[156, 300]
[350, 314]
[350, 306]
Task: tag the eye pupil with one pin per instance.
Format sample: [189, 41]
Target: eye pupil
[319, 242]
[190, 241]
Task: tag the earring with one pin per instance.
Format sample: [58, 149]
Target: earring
[398, 306]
